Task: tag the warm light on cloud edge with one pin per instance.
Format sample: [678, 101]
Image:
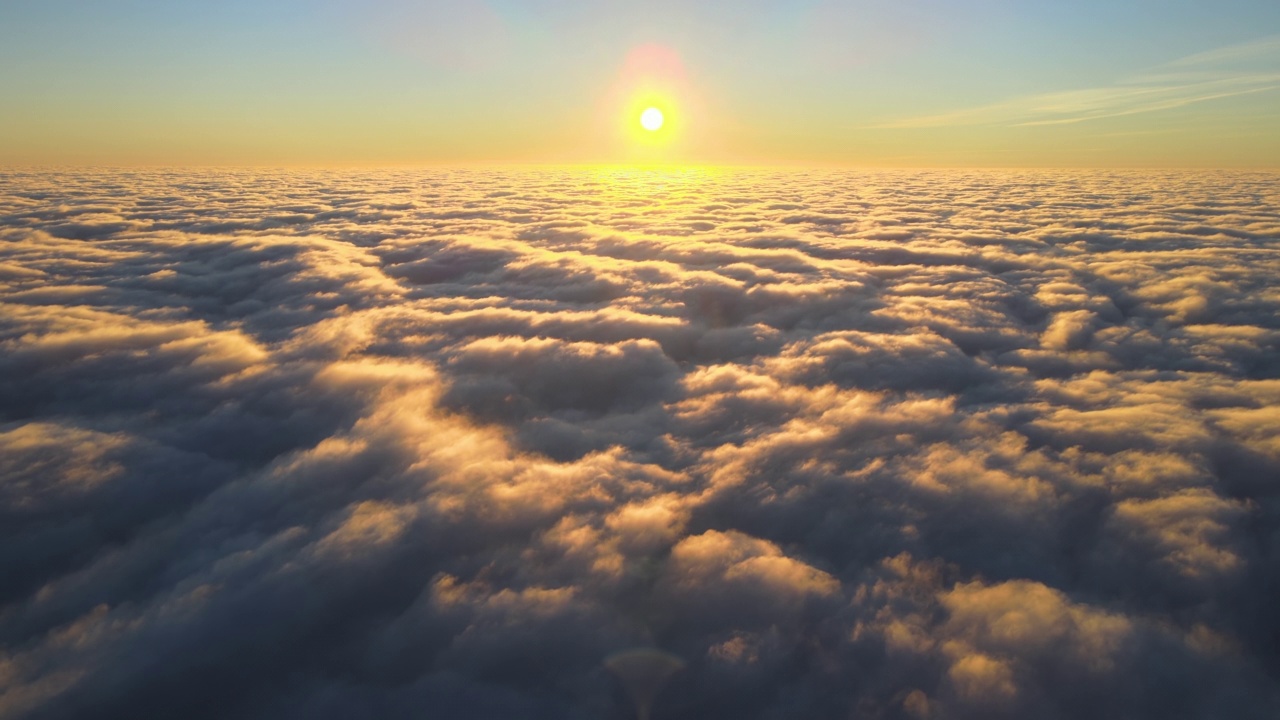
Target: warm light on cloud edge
[469, 433]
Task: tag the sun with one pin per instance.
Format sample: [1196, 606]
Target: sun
[652, 119]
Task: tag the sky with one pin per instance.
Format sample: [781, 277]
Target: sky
[599, 360]
[859, 82]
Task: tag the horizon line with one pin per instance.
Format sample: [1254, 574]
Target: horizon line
[495, 165]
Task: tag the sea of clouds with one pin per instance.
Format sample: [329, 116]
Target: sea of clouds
[438, 443]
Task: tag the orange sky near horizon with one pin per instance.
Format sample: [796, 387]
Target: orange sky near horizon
[763, 82]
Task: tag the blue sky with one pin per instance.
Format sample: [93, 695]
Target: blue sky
[403, 81]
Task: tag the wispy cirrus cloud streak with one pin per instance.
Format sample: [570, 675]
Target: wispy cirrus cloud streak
[1228, 72]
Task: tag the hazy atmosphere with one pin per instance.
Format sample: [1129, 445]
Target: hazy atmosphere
[577, 360]
[991, 83]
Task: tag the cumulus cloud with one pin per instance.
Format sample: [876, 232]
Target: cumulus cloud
[834, 444]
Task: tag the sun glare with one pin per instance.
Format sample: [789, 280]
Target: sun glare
[652, 119]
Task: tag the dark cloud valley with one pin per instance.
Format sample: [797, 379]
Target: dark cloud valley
[438, 443]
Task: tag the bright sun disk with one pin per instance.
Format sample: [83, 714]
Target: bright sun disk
[651, 119]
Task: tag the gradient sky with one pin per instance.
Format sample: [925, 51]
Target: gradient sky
[860, 82]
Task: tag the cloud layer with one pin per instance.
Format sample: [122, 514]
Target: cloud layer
[437, 444]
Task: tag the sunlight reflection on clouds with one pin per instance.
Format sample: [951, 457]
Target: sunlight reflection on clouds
[907, 444]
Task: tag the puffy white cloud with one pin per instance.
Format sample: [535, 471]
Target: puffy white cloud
[927, 445]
